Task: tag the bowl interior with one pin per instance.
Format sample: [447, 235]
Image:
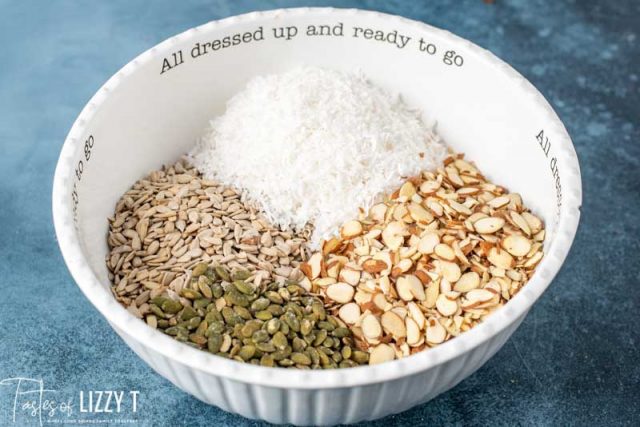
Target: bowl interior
[155, 108]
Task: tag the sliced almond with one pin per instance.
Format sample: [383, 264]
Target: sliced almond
[410, 287]
[428, 243]
[444, 251]
[467, 282]
[454, 177]
[371, 328]
[381, 353]
[479, 295]
[349, 313]
[517, 245]
[514, 275]
[374, 265]
[465, 167]
[403, 287]
[499, 202]
[467, 191]
[417, 289]
[315, 263]
[324, 282]
[423, 276]
[520, 222]
[305, 283]
[500, 258]
[477, 298]
[368, 285]
[445, 306]
[416, 314]
[476, 216]
[515, 201]
[494, 286]
[340, 292]
[535, 258]
[393, 324]
[362, 297]
[433, 291]
[488, 225]
[400, 311]
[331, 245]
[407, 190]
[450, 271]
[459, 207]
[419, 214]
[459, 254]
[401, 213]
[393, 235]
[378, 212]
[333, 268]
[385, 284]
[363, 250]
[305, 268]
[412, 331]
[435, 207]
[351, 229]
[384, 256]
[350, 276]
[535, 224]
[408, 252]
[381, 302]
[429, 187]
[404, 265]
[435, 333]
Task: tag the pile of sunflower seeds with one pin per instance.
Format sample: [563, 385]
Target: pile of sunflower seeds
[173, 219]
[273, 326]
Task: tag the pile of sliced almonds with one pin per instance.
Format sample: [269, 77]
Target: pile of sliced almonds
[432, 261]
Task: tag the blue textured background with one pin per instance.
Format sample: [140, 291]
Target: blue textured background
[573, 361]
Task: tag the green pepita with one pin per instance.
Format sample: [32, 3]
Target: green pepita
[241, 275]
[247, 352]
[360, 357]
[222, 273]
[267, 347]
[268, 326]
[214, 343]
[260, 304]
[273, 326]
[264, 315]
[267, 360]
[171, 306]
[188, 313]
[279, 340]
[244, 287]
[199, 269]
[190, 293]
[260, 336]
[300, 359]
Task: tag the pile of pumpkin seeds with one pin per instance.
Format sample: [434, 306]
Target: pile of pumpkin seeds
[272, 325]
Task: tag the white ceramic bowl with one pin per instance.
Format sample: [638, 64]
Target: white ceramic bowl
[143, 118]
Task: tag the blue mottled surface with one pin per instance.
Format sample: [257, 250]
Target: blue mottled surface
[572, 362]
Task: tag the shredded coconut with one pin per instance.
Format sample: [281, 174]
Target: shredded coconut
[313, 145]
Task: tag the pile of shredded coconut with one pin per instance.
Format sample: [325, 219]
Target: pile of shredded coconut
[313, 145]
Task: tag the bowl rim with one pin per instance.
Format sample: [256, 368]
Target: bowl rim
[137, 330]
